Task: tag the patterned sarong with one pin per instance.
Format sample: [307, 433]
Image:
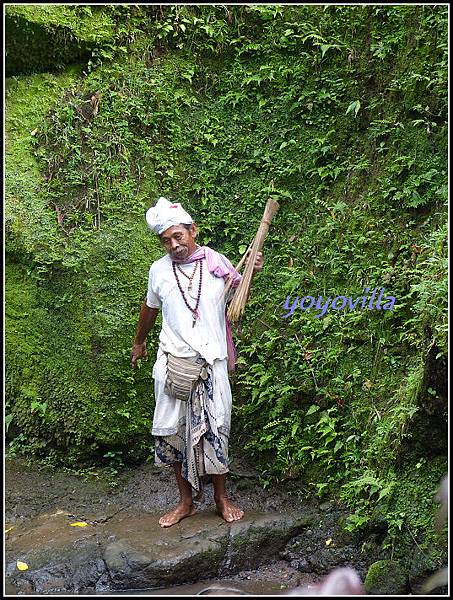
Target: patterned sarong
[198, 444]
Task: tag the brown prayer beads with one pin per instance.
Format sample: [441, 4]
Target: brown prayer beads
[194, 311]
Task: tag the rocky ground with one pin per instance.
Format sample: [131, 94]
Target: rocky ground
[283, 542]
[39, 501]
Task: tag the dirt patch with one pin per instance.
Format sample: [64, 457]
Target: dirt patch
[32, 489]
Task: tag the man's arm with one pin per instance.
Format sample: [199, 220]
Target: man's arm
[146, 322]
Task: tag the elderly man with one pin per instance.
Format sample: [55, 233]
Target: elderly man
[192, 415]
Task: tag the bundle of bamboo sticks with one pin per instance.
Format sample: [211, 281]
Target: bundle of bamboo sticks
[239, 300]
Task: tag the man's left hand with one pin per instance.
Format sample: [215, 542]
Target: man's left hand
[259, 262]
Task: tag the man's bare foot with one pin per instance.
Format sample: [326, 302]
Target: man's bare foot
[229, 511]
[174, 516]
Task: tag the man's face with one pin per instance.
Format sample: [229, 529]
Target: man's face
[179, 242]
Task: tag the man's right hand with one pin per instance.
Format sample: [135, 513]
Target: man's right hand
[138, 351]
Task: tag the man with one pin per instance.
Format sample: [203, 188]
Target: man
[187, 284]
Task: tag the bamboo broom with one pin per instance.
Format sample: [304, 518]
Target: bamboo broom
[239, 300]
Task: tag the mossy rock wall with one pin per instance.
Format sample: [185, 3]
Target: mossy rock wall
[339, 113]
[49, 37]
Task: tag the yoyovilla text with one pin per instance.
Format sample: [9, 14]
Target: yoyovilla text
[340, 303]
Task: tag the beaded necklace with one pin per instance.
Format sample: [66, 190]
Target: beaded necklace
[189, 277]
[194, 311]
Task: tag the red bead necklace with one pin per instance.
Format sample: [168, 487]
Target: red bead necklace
[194, 311]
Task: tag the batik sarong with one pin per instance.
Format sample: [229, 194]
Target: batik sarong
[197, 444]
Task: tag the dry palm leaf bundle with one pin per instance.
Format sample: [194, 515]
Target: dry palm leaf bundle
[237, 305]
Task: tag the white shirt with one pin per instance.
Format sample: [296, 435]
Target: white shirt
[208, 336]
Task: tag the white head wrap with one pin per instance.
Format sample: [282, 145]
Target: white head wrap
[165, 214]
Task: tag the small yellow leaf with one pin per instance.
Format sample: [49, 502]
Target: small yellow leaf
[328, 542]
[22, 566]
[79, 524]
[6, 530]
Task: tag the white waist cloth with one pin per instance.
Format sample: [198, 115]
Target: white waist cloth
[169, 413]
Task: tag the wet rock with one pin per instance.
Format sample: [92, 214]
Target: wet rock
[131, 551]
[309, 553]
[287, 555]
[386, 577]
[301, 565]
[56, 552]
[146, 555]
[329, 505]
[258, 538]
[59, 557]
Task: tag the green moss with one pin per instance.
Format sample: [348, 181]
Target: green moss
[86, 23]
[29, 219]
[28, 100]
[22, 341]
[386, 577]
[45, 38]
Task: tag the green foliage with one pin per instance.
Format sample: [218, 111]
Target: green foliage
[430, 293]
[45, 38]
[404, 501]
[339, 113]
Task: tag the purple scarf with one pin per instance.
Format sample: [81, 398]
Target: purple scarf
[219, 266]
